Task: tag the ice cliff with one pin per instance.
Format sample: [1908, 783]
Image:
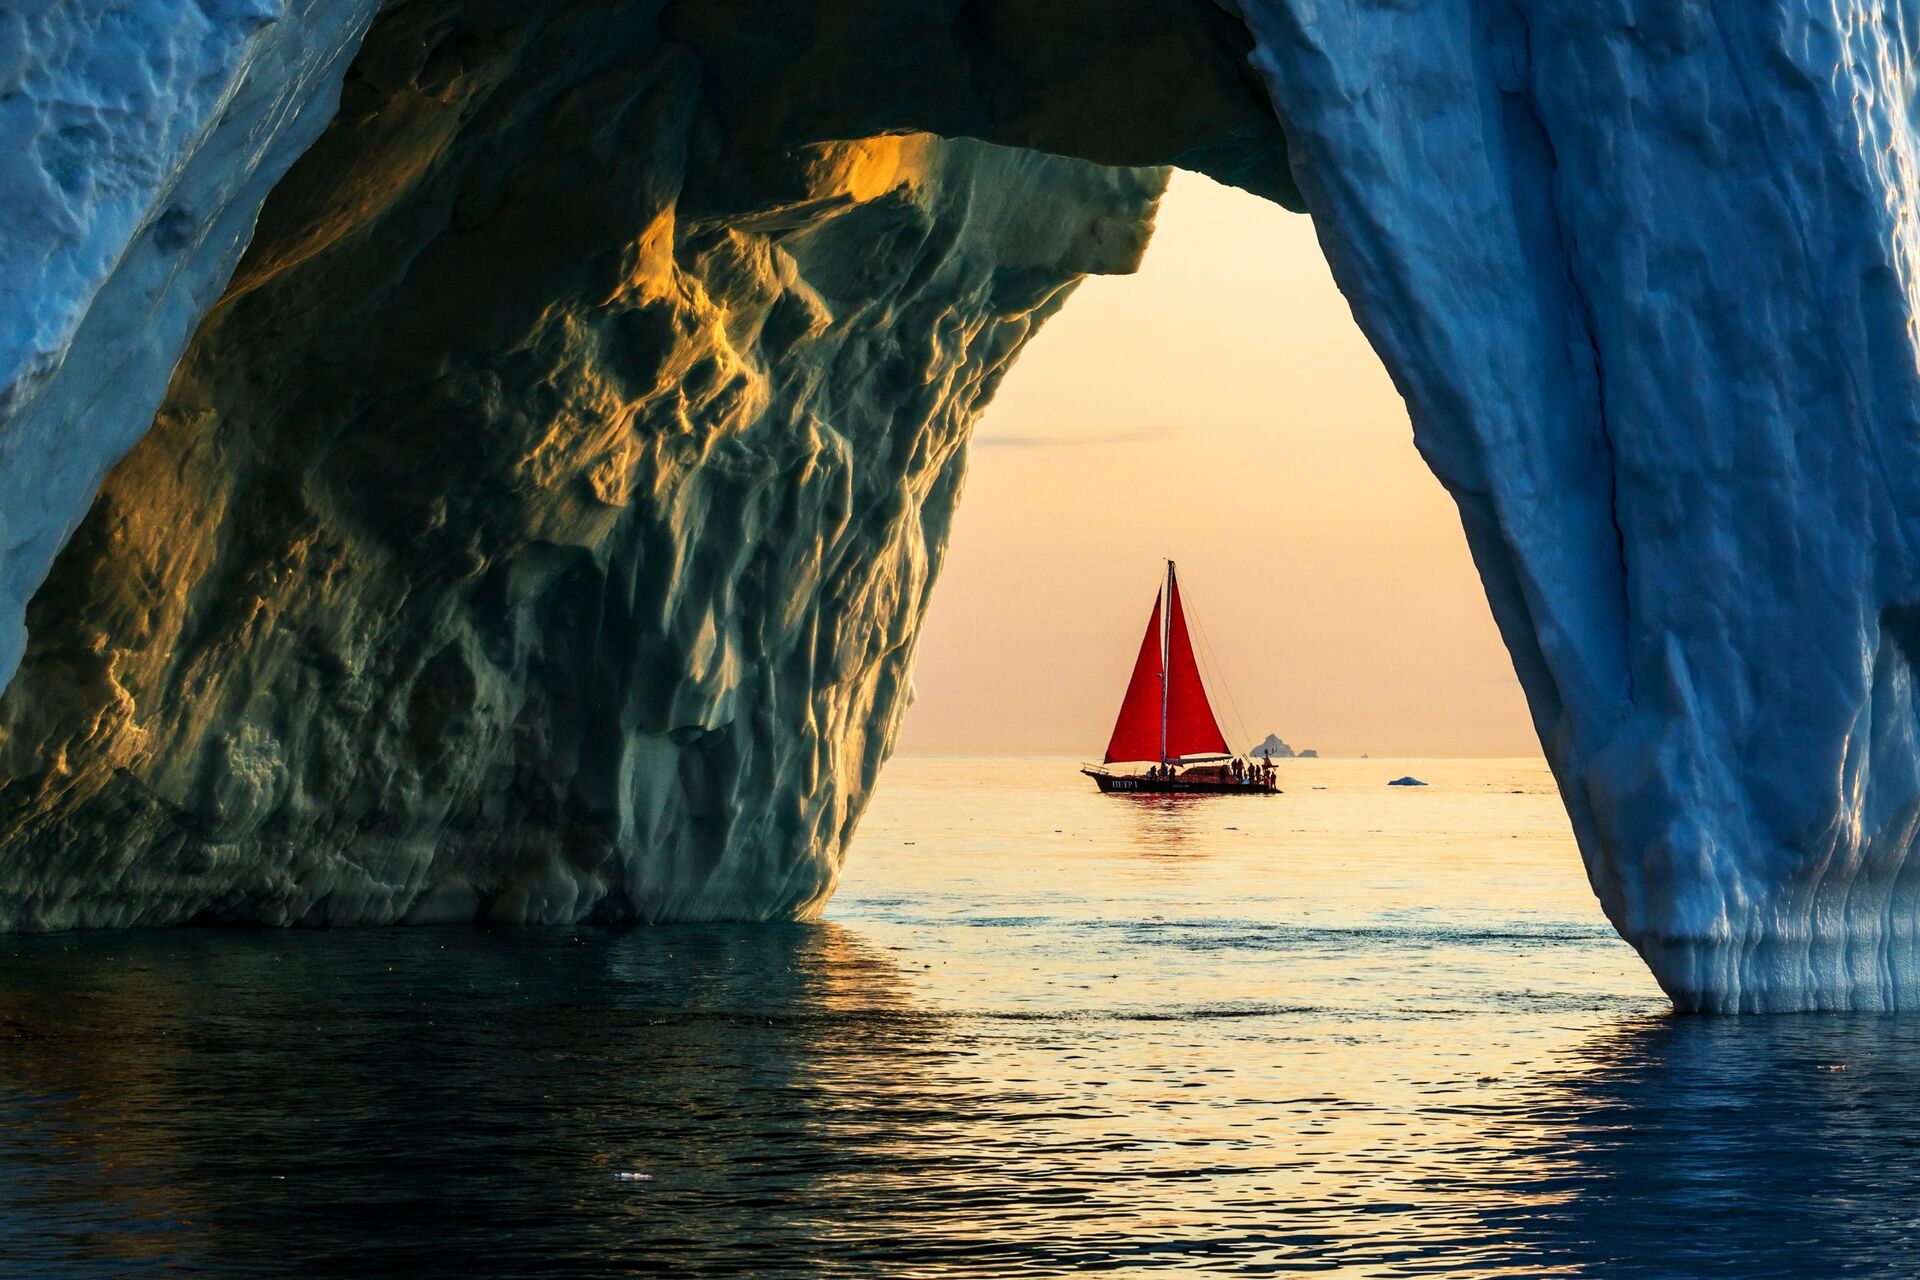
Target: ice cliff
[1646, 277]
[535, 522]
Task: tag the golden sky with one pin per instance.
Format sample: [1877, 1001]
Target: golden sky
[1221, 408]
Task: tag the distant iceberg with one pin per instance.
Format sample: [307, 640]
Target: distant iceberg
[1275, 748]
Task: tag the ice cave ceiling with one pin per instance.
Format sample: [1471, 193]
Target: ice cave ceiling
[465, 459]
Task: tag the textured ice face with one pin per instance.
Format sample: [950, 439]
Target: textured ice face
[1645, 275]
[538, 527]
[136, 144]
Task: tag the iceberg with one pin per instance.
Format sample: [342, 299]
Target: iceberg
[535, 522]
[537, 526]
[1647, 282]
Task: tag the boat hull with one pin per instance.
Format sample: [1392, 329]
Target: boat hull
[1133, 784]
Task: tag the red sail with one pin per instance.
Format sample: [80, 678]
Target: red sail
[1136, 734]
[1191, 728]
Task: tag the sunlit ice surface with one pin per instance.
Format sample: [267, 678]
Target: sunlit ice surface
[1350, 1028]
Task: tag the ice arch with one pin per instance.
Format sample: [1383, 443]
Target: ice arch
[537, 524]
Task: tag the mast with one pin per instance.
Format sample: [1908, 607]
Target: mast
[1165, 709]
[1187, 723]
[1164, 634]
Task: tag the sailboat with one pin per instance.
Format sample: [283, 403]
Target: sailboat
[1165, 718]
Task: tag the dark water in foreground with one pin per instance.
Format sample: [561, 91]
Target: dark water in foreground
[1343, 1030]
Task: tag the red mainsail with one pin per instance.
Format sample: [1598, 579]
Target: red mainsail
[1191, 728]
[1136, 734]
[1165, 714]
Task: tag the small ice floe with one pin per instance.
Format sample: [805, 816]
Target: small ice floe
[1408, 781]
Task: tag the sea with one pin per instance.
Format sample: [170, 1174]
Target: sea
[1352, 1029]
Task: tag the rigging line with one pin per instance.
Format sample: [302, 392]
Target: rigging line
[1219, 674]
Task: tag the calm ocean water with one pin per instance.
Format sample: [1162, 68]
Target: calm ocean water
[1352, 1029]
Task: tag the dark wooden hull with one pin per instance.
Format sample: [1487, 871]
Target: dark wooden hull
[1134, 784]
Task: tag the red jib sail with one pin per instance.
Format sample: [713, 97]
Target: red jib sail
[1136, 734]
[1191, 728]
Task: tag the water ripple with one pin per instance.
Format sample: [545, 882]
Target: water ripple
[1311, 1046]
